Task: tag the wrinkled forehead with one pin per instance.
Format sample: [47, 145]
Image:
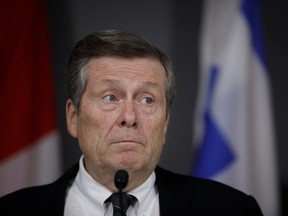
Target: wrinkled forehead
[148, 70]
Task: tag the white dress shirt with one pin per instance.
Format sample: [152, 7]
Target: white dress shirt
[86, 197]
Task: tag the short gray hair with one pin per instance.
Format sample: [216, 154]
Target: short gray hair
[119, 43]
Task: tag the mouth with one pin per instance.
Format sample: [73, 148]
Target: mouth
[129, 144]
[126, 142]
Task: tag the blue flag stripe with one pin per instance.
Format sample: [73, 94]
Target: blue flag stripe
[251, 11]
[214, 152]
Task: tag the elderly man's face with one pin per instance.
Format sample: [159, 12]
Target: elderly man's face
[122, 119]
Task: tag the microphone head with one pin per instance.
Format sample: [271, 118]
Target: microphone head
[121, 179]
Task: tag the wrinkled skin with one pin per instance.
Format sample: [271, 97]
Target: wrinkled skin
[122, 118]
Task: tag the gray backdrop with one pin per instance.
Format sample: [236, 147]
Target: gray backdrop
[174, 27]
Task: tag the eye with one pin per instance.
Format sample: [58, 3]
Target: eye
[148, 100]
[110, 98]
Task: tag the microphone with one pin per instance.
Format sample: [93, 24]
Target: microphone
[121, 180]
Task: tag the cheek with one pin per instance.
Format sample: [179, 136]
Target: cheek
[156, 131]
[88, 131]
[94, 126]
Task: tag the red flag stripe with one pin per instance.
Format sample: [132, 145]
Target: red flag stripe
[27, 109]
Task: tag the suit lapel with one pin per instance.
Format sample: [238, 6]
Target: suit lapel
[173, 195]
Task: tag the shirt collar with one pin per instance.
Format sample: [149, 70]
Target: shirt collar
[96, 194]
[92, 191]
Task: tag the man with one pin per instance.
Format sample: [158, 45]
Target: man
[120, 89]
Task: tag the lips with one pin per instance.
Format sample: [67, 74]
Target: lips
[126, 141]
[126, 138]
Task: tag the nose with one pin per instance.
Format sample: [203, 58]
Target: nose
[128, 117]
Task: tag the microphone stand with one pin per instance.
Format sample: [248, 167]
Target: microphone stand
[121, 181]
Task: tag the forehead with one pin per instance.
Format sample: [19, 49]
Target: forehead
[148, 69]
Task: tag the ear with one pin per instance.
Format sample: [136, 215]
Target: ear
[71, 118]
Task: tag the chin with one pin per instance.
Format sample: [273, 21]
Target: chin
[130, 162]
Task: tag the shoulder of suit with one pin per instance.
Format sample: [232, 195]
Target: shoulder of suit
[195, 184]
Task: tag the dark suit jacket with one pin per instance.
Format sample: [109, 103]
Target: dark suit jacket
[178, 195]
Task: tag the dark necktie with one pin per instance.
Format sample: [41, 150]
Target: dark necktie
[127, 200]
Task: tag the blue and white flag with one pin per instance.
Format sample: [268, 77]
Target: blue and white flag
[234, 124]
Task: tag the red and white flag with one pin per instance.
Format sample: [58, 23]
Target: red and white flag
[29, 145]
